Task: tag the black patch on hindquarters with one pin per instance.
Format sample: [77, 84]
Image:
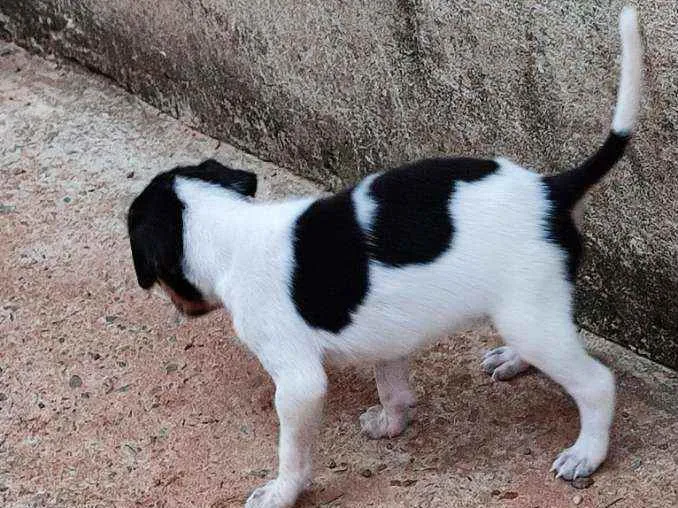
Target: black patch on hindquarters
[562, 231]
[412, 222]
[564, 190]
[156, 229]
[331, 274]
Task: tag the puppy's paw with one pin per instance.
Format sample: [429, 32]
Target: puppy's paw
[575, 462]
[272, 495]
[503, 363]
[376, 422]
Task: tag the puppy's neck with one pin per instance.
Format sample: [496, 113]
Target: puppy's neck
[213, 226]
[231, 242]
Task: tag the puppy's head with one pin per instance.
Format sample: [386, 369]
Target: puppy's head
[156, 231]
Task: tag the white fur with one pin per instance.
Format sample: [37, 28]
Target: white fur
[628, 95]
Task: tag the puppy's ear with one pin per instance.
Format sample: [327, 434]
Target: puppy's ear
[247, 183]
[241, 181]
[143, 265]
[146, 275]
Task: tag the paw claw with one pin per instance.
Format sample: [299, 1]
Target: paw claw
[273, 494]
[503, 363]
[575, 462]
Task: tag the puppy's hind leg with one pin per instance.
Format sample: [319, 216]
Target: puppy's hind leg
[397, 401]
[545, 336]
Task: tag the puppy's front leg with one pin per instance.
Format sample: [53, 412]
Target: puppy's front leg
[397, 401]
[299, 395]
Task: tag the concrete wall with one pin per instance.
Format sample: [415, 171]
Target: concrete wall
[334, 90]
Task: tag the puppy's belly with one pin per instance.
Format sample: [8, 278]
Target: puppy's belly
[386, 346]
[405, 309]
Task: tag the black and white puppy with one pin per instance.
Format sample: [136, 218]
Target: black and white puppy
[376, 271]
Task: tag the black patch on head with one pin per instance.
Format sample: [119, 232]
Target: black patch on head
[330, 276]
[155, 224]
[412, 221]
[214, 172]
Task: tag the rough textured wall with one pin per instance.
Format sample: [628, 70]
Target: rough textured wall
[335, 90]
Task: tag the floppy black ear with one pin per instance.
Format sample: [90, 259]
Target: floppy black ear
[143, 265]
[146, 275]
[247, 183]
[241, 181]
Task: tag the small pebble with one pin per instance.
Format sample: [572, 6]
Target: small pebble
[130, 174]
[259, 473]
[527, 451]
[402, 483]
[577, 499]
[171, 367]
[67, 199]
[3, 396]
[331, 464]
[636, 463]
[341, 467]
[328, 495]
[75, 382]
[582, 483]
[367, 472]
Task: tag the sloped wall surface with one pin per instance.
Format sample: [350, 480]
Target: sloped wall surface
[335, 90]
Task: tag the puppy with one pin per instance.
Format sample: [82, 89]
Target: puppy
[376, 271]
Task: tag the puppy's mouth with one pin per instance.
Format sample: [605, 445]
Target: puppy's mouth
[189, 308]
[195, 310]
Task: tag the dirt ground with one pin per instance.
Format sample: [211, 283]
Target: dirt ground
[109, 398]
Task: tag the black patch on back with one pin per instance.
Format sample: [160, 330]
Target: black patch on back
[155, 224]
[412, 221]
[330, 276]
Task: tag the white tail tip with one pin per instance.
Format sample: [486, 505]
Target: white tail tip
[628, 96]
[628, 20]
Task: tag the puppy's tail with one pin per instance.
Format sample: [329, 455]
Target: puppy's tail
[571, 186]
